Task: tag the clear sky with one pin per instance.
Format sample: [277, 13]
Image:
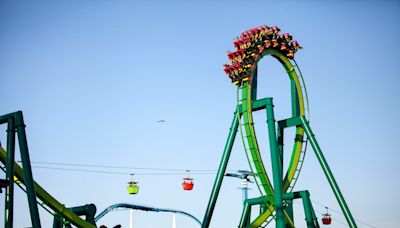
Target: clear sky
[93, 78]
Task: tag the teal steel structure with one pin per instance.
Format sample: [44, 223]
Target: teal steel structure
[276, 195]
[144, 208]
[15, 125]
[63, 216]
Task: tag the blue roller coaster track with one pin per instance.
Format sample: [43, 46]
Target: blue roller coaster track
[143, 208]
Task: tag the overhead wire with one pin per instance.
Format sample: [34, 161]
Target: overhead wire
[340, 213]
[120, 173]
[337, 212]
[339, 221]
[24, 190]
[156, 174]
[123, 167]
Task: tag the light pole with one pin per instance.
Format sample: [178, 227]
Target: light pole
[244, 175]
[173, 220]
[131, 218]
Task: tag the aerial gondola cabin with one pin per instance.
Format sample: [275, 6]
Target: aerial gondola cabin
[133, 187]
[187, 184]
[326, 219]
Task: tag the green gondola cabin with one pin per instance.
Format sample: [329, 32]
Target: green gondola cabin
[133, 188]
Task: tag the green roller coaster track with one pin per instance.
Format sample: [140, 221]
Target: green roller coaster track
[16, 126]
[250, 133]
[276, 196]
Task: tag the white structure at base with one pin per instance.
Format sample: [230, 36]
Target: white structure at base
[131, 218]
[173, 220]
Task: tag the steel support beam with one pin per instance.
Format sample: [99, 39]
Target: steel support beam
[9, 193]
[328, 173]
[26, 164]
[308, 210]
[221, 170]
[276, 161]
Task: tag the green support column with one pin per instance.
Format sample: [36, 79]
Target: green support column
[263, 208]
[245, 218]
[58, 222]
[305, 195]
[26, 164]
[9, 193]
[280, 142]
[289, 210]
[328, 173]
[314, 217]
[276, 165]
[221, 170]
[295, 99]
[254, 85]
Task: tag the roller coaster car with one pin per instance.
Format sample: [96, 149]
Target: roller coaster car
[290, 54]
[187, 184]
[275, 42]
[133, 188]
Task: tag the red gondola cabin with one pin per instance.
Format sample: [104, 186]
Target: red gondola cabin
[187, 184]
[326, 220]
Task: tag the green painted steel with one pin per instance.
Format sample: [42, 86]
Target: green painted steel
[328, 173]
[244, 219]
[252, 141]
[315, 219]
[24, 175]
[295, 100]
[9, 193]
[47, 199]
[29, 183]
[311, 221]
[289, 210]
[274, 198]
[254, 83]
[277, 165]
[221, 170]
[88, 210]
[247, 111]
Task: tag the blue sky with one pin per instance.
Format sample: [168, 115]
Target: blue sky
[93, 77]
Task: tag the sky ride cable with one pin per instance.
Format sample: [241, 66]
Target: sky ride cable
[24, 190]
[124, 167]
[121, 173]
[47, 199]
